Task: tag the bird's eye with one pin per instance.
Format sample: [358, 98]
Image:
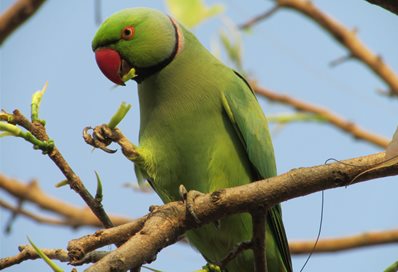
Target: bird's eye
[128, 33]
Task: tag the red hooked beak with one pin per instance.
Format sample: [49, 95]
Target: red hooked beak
[110, 64]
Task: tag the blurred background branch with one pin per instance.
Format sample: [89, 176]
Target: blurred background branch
[16, 15]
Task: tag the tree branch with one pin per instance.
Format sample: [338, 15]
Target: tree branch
[341, 34]
[347, 38]
[16, 15]
[27, 252]
[37, 218]
[166, 223]
[116, 235]
[72, 215]
[391, 5]
[259, 18]
[345, 243]
[38, 131]
[333, 119]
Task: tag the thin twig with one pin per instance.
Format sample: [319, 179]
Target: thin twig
[347, 38]
[238, 249]
[37, 218]
[39, 131]
[345, 243]
[339, 122]
[70, 214]
[27, 252]
[259, 18]
[16, 15]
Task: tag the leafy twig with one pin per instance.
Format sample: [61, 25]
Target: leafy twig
[36, 133]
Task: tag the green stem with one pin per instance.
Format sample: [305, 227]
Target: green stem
[119, 115]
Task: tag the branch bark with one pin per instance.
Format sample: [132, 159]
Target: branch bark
[166, 223]
[16, 15]
[27, 252]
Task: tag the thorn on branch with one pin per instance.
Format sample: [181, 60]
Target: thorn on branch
[341, 60]
[251, 22]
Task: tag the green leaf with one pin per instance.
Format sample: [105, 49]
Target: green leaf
[119, 115]
[36, 100]
[192, 12]
[232, 43]
[62, 183]
[98, 194]
[131, 74]
[392, 147]
[151, 269]
[50, 263]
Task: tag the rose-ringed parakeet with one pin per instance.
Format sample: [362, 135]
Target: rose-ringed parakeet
[201, 126]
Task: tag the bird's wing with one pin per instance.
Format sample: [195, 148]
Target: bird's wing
[248, 119]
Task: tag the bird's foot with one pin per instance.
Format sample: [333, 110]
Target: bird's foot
[101, 137]
[189, 197]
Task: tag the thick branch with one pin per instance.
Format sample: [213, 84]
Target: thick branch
[16, 15]
[347, 38]
[339, 122]
[391, 5]
[165, 224]
[345, 243]
[116, 235]
[72, 215]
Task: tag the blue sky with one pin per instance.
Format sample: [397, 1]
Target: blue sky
[287, 53]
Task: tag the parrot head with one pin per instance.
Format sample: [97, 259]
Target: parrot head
[135, 43]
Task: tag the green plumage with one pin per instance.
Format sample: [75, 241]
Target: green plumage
[201, 126]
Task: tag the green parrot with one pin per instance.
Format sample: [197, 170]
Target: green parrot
[201, 126]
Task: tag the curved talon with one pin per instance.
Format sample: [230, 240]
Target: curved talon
[103, 146]
[87, 137]
[99, 138]
[189, 198]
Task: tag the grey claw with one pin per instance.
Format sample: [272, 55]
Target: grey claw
[189, 198]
